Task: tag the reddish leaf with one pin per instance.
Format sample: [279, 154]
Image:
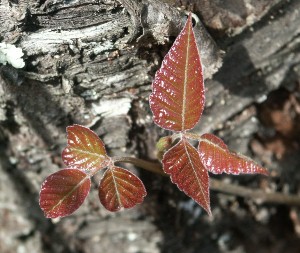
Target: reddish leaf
[63, 192]
[217, 158]
[177, 98]
[183, 163]
[85, 150]
[119, 188]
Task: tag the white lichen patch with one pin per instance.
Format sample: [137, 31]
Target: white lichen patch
[12, 55]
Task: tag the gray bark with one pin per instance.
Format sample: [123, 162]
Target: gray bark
[91, 62]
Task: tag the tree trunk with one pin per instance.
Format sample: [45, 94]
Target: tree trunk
[91, 62]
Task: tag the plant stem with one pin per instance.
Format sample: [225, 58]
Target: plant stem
[258, 195]
[193, 136]
[154, 167]
[217, 185]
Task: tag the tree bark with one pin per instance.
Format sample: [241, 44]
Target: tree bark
[91, 62]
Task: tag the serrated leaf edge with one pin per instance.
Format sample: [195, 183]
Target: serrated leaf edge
[231, 153]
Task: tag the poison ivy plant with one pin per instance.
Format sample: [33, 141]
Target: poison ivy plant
[177, 102]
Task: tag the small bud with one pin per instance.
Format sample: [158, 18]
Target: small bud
[163, 145]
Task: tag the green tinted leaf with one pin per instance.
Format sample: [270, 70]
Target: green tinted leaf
[85, 150]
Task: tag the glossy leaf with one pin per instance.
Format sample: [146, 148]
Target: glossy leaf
[177, 98]
[85, 150]
[183, 163]
[119, 188]
[63, 192]
[217, 158]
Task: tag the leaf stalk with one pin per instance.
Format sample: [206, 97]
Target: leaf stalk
[257, 195]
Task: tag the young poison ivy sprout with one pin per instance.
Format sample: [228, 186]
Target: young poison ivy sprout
[177, 102]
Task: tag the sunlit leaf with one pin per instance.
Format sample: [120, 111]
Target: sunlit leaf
[119, 188]
[177, 98]
[183, 163]
[63, 192]
[85, 150]
[217, 158]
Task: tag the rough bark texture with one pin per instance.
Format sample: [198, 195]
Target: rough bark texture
[91, 62]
